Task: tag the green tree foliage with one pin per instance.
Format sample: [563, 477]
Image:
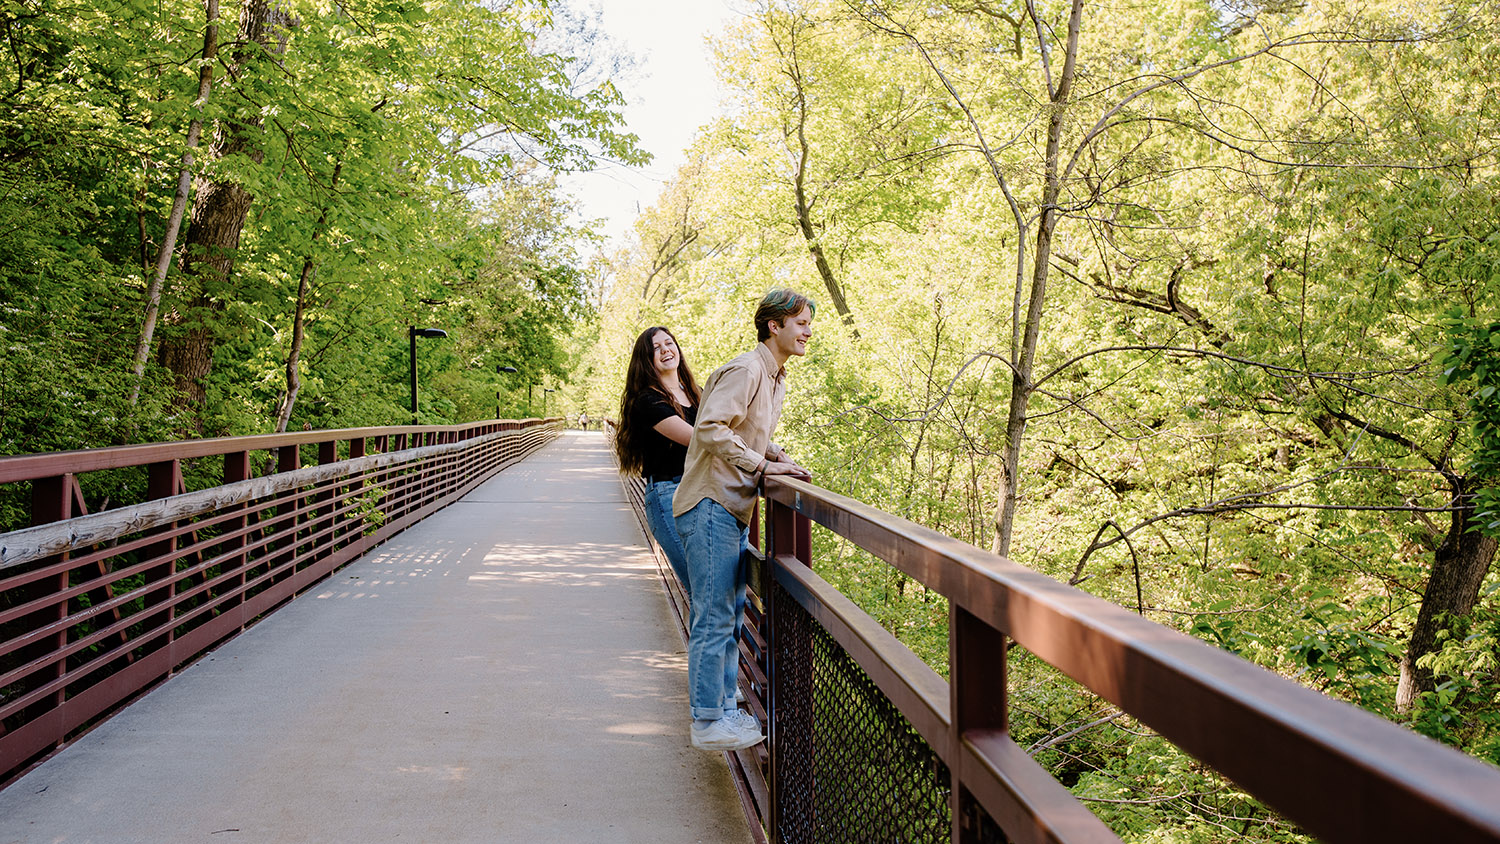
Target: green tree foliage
[396, 163]
[1473, 360]
[1235, 419]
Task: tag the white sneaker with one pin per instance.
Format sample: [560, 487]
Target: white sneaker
[739, 695]
[724, 734]
[746, 722]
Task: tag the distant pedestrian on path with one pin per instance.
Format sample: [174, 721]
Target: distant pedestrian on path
[730, 451]
[657, 411]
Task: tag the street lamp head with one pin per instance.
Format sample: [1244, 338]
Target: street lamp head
[510, 369]
[428, 332]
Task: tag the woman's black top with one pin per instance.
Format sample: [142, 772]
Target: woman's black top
[662, 459]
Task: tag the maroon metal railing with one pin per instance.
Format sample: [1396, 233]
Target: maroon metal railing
[96, 607]
[867, 742]
[1341, 773]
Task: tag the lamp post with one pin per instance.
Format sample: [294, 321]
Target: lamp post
[412, 332]
[499, 369]
[545, 391]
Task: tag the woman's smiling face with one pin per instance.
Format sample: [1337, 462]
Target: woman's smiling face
[664, 354]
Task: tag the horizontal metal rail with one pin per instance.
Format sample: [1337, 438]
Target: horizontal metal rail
[95, 608]
[1341, 773]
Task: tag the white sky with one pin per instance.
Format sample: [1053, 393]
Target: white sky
[675, 92]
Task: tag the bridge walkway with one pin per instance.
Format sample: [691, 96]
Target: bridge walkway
[506, 670]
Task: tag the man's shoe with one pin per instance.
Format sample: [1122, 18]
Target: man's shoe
[747, 723]
[739, 695]
[724, 734]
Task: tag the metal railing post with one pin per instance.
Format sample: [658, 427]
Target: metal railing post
[977, 697]
[789, 713]
[164, 480]
[236, 469]
[51, 501]
[288, 459]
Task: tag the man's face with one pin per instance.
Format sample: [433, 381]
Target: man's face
[791, 336]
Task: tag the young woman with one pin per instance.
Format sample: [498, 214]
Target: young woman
[657, 411]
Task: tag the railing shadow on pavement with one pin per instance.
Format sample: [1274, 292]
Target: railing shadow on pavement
[97, 607]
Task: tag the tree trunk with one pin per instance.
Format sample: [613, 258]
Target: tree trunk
[218, 218]
[791, 53]
[1459, 567]
[1021, 386]
[804, 214]
[179, 201]
[825, 271]
[294, 356]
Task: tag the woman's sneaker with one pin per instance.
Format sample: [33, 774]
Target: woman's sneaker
[725, 734]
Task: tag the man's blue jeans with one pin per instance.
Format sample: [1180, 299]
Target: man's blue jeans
[664, 528]
[713, 539]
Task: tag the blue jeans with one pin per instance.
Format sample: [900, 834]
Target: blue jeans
[664, 529]
[713, 539]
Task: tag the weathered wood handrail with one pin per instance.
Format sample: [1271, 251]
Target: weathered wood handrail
[27, 544]
[25, 467]
[1343, 774]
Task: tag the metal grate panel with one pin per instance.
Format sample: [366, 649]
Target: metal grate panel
[851, 768]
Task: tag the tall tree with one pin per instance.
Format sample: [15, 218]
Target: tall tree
[206, 63]
[841, 138]
[223, 201]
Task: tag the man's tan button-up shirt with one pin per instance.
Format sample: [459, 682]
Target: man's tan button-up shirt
[738, 411]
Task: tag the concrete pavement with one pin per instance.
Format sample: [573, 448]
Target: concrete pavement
[504, 671]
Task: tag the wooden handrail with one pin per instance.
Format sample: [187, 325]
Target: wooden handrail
[25, 467]
[27, 544]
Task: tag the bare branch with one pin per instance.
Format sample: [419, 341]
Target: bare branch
[1140, 604]
[1043, 745]
[1247, 501]
[1276, 370]
[1179, 79]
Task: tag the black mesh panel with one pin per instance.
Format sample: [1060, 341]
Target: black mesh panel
[851, 768]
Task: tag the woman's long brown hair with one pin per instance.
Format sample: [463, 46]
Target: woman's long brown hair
[630, 442]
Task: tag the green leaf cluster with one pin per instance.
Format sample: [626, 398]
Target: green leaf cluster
[1473, 360]
[400, 160]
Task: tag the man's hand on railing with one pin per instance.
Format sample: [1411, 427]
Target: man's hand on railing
[787, 467]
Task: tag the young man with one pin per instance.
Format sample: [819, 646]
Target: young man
[729, 452]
